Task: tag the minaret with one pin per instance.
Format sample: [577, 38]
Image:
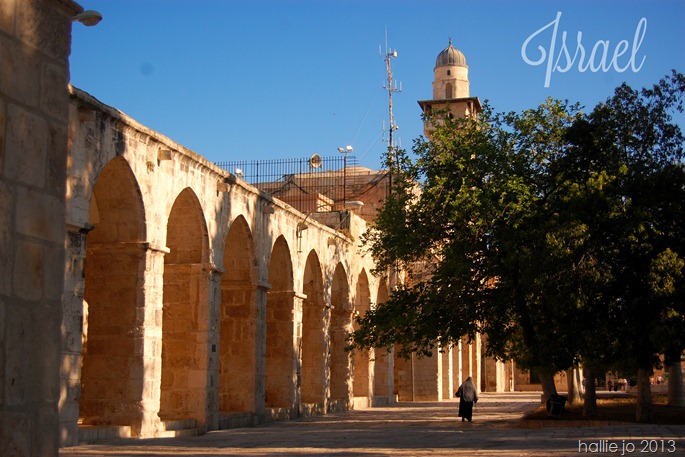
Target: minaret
[450, 75]
[451, 87]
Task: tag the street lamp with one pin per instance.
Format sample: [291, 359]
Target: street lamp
[88, 18]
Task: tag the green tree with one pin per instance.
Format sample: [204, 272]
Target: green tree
[472, 220]
[626, 166]
[558, 235]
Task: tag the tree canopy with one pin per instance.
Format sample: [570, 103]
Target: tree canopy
[557, 234]
[626, 161]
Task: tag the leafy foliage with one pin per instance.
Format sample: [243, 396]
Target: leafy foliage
[556, 234]
[474, 239]
[626, 161]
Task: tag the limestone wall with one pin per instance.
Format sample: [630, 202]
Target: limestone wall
[213, 299]
[34, 47]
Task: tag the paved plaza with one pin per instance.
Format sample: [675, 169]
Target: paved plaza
[414, 429]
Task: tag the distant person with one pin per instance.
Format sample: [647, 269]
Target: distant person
[610, 385]
[467, 395]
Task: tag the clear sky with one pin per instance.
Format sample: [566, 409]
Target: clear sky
[264, 79]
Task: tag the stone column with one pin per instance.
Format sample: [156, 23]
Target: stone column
[298, 300]
[73, 331]
[186, 337]
[477, 362]
[501, 374]
[146, 372]
[460, 365]
[213, 341]
[391, 377]
[447, 373]
[263, 288]
[467, 359]
[34, 47]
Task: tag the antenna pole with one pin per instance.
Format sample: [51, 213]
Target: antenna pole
[391, 87]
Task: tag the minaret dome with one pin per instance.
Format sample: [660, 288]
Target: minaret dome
[451, 75]
[450, 56]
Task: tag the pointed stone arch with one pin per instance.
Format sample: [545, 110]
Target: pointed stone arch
[340, 328]
[313, 344]
[187, 237]
[238, 322]
[112, 388]
[186, 312]
[280, 349]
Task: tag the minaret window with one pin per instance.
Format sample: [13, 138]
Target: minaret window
[449, 72]
[448, 91]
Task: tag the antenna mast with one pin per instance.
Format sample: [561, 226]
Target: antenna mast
[391, 86]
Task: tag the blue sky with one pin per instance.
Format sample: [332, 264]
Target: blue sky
[260, 79]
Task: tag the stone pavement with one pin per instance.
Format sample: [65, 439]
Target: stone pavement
[413, 429]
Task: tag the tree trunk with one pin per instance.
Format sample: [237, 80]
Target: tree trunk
[643, 411]
[676, 396]
[590, 402]
[548, 386]
[574, 384]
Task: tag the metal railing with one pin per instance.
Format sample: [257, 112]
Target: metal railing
[315, 184]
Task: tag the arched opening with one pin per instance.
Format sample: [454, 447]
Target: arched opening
[381, 379]
[362, 374]
[340, 328]
[185, 316]
[449, 91]
[111, 381]
[313, 354]
[280, 351]
[238, 344]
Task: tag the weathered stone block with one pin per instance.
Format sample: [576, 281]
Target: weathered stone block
[69, 409]
[25, 145]
[30, 330]
[7, 8]
[56, 165]
[151, 392]
[70, 369]
[53, 96]
[6, 197]
[137, 371]
[46, 443]
[77, 206]
[28, 271]
[3, 116]
[197, 379]
[72, 342]
[44, 26]
[14, 434]
[36, 215]
[54, 275]
[18, 72]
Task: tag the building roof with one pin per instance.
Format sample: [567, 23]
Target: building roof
[450, 56]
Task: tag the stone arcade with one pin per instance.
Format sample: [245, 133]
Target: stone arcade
[191, 295]
[145, 291]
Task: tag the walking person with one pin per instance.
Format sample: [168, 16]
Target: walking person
[467, 395]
